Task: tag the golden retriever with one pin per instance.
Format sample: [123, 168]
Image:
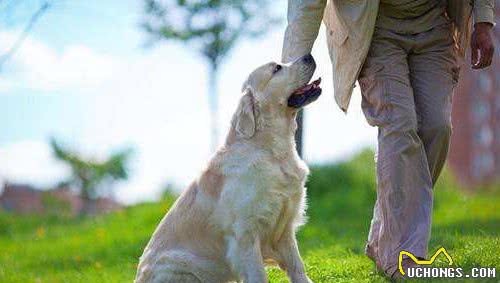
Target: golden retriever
[245, 207]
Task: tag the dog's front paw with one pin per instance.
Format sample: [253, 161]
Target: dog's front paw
[302, 278]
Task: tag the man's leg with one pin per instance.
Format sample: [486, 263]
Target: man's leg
[404, 184]
[434, 74]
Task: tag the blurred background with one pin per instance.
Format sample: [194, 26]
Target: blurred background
[115, 106]
[88, 75]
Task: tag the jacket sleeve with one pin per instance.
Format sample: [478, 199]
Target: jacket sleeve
[304, 19]
[484, 11]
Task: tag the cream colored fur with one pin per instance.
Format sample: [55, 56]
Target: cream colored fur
[244, 208]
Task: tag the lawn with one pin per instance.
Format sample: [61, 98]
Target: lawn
[105, 249]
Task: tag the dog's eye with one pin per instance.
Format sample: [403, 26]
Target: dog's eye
[276, 69]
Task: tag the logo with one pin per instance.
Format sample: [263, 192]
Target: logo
[423, 262]
[441, 272]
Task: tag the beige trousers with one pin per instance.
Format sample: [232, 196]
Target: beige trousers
[407, 83]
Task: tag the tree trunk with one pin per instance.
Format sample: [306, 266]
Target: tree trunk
[298, 133]
[213, 104]
[88, 203]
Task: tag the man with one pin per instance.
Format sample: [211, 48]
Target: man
[404, 55]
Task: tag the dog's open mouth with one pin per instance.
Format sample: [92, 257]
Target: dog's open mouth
[305, 95]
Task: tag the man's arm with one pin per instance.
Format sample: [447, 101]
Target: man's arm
[304, 19]
[482, 47]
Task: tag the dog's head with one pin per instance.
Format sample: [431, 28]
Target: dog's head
[276, 91]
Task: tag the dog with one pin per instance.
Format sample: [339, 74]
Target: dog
[245, 207]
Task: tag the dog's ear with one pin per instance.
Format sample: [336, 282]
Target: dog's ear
[245, 115]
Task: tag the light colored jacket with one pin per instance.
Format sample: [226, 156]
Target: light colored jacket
[349, 27]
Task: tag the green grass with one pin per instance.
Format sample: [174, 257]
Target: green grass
[105, 249]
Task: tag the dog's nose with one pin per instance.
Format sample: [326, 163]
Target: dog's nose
[308, 59]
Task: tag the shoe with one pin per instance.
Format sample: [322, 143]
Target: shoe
[370, 253]
[395, 275]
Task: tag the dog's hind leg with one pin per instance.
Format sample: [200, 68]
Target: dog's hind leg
[245, 256]
[179, 266]
[179, 278]
[167, 275]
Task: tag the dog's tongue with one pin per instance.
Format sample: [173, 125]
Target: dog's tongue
[307, 87]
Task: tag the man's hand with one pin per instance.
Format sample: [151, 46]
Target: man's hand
[482, 46]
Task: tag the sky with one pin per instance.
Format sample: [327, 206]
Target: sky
[85, 77]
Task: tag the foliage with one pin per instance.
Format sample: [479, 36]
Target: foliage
[169, 192]
[90, 175]
[107, 248]
[213, 26]
[55, 206]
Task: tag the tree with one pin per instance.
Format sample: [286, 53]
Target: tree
[92, 177]
[37, 14]
[212, 26]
